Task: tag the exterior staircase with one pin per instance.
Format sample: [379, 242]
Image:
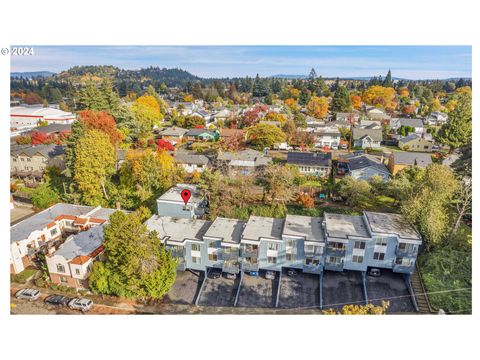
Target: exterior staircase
[420, 293]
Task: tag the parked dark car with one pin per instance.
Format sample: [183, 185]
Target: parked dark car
[292, 272]
[374, 272]
[214, 274]
[231, 276]
[270, 275]
[58, 300]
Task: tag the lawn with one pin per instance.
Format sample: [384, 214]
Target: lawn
[23, 276]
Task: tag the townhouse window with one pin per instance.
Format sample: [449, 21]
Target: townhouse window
[381, 241]
[291, 257]
[63, 279]
[60, 268]
[272, 246]
[336, 246]
[212, 245]
[378, 256]
[14, 159]
[212, 257]
[195, 247]
[29, 160]
[359, 245]
[357, 259]
[251, 260]
[53, 232]
[334, 260]
[195, 260]
[291, 243]
[272, 259]
[406, 247]
[77, 271]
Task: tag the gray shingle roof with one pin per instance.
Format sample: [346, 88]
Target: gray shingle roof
[48, 151]
[185, 158]
[173, 131]
[412, 158]
[364, 161]
[197, 132]
[374, 134]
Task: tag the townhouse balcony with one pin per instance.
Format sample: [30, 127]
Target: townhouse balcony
[231, 267]
[312, 268]
[335, 252]
[403, 268]
[247, 266]
[334, 266]
[250, 252]
[229, 255]
[403, 253]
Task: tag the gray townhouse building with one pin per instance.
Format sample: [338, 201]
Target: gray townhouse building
[172, 204]
[335, 242]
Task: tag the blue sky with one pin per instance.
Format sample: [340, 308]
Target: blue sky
[411, 62]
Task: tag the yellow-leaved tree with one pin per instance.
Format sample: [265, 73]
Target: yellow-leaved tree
[318, 107]
[368, 309]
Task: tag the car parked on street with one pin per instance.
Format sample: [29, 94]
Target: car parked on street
[27, 294]
[80, 304]
[58, 300]
[270, 275]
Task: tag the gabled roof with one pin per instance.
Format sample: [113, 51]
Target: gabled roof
[186, 158]
[47, 151]
[82, 244]
[245, 155]
[173, 131]
[364, 161]
[412, 137]
[411, 158]
[374, 134]
[416, 123]
[309, 158]
[198, 132]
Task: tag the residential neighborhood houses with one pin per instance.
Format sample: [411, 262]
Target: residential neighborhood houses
[255, 180]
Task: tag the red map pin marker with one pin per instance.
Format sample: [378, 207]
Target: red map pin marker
[186, 194]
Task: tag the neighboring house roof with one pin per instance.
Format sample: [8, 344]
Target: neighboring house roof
[186, 158]
[23, 229]
[52, 128]
[173, 131]
[202, 113]
[245, 155]
[411, 158]
[363, 161]
[309, 158]
[48, 151]
[412, 137]
[199, 132]
[226, 133]
[416, 123]
[82, 244]
[374, 134]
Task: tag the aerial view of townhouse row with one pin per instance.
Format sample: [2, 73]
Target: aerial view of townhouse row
[183, 194]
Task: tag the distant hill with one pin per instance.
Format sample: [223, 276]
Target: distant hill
[289, 76]
[31, 74]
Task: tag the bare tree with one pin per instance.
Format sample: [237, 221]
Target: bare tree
[462, 202]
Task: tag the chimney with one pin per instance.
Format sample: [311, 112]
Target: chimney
[117, 205]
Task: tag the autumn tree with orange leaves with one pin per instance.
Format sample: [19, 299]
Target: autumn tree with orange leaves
[101, 120]
[356, 101]
[318, 107]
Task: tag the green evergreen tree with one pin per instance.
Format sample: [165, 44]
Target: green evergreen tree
[341, 100]
[388, 79]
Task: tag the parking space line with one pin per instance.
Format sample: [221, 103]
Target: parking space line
[201, 287]
[278, 287]
[238, 290]
[321, 289]
[364, 286]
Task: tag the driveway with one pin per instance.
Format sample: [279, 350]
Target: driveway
[342, 288]
[300, 291]
[256, 291]
[185, 289]
[390, 287]
[219, 292]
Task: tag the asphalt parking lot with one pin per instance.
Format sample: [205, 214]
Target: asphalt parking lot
[300, 291]
[219, 292]
[342, 288]
[392, 288]
[185, 288]
[256, 291]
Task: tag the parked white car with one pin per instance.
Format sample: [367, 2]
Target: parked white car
[27, 294]
[80, 304]
[283, 146]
